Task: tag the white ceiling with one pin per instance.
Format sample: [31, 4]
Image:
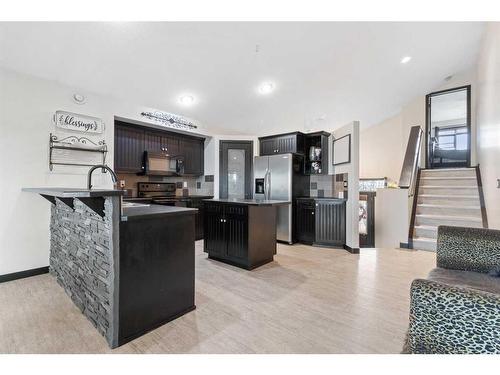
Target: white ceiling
[326, 74]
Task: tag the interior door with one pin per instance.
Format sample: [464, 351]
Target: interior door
[235, 165]
[448, 120]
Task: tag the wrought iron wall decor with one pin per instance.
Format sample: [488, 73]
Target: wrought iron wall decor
[68, 151]
[170, 120]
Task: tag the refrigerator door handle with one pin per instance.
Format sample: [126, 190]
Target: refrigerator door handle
[267, 185]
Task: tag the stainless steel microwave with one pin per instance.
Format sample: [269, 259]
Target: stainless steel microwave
[161, 164]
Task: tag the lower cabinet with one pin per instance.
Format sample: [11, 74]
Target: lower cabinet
[226, 231]
[321, 222]
[305, 221]
[197, 203]
[241, 235]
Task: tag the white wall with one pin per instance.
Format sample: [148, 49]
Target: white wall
[488, 110]
[26, 108]
[392, 214]
[352, 169]
[383, 146]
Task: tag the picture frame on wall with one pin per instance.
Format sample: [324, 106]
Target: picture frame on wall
[341, 150]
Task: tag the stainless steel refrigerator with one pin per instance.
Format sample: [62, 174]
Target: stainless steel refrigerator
[281, 177]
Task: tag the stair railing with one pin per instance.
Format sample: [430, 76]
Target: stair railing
[409, 171]
[410, 175]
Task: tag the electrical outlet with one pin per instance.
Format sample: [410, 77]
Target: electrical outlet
[498, 183]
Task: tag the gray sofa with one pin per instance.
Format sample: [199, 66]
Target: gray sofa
[457, 308]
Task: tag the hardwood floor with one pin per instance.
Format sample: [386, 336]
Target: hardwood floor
[309, 300]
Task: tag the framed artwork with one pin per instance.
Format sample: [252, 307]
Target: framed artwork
[341, 153]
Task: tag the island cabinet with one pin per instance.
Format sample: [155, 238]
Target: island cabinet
[321, 221]
[282, 144]
[240, 234]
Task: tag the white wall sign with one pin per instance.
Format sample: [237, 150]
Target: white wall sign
[80, 123]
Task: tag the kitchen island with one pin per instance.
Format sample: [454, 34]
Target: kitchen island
[128, 269]
[241, 232]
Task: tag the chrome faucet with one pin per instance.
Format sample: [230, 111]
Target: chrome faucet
[114, 177]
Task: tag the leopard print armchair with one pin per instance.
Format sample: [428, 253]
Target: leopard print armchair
[457, 308]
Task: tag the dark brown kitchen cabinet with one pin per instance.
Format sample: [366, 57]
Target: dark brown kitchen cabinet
[239, 234]
[237, 231]
[131, 141]
[170, 145]
[305, 221]
[330, 222]
[192, 149]
[129, 148]
[215, 230]
[282, 144]
[198, 204]
[321, 221]
[152, 141]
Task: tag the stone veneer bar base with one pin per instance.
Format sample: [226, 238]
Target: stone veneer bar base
[84, 259]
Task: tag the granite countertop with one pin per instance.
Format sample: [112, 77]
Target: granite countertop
[250, 202]
[154, 211]
[142, 199]
[326, 198]
[73, 192]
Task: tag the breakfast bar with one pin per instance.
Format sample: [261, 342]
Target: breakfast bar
[128, 267]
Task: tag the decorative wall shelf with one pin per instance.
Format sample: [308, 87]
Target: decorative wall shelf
[76, 151]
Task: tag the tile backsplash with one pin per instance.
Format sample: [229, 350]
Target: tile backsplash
[328, 185]
[197, 185]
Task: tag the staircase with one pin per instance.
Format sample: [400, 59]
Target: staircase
[445, 197]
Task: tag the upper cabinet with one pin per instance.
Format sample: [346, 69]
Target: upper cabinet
[192, 149]
[129, 148]
[282, 144]
[316, 147]
[131, 141]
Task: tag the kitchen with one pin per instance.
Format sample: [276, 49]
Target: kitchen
[124, 132]
[152, 196]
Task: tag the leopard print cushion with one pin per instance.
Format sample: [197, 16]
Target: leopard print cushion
[468, 249]
[446, 319]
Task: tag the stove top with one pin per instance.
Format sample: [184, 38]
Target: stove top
[157, 190]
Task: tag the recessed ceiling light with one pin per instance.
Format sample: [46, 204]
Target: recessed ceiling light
[405, 59]
[186, 100]
[266, 88]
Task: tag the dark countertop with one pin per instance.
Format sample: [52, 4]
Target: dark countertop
[74, 193]
[154, 211]
[141, 199]
[250, 202]
[325, 198]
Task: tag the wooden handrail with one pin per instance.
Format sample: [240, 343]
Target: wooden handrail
[409, 170]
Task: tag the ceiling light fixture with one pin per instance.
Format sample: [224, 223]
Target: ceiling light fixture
[78, 98]
[405, 59]
[266, 88]
[186, 100]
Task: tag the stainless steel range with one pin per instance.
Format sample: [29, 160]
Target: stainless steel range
[160, 192]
